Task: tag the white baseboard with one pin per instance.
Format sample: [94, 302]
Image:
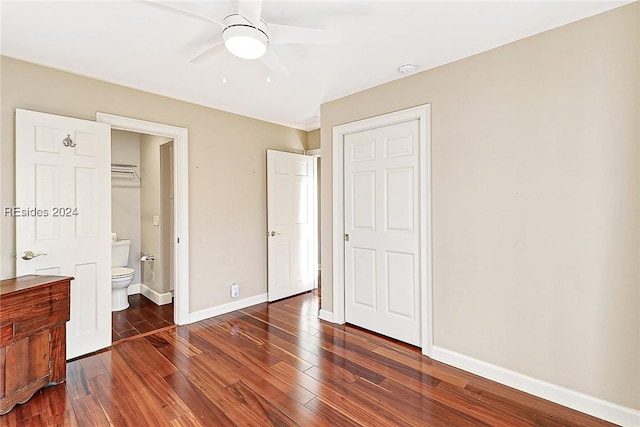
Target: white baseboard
[325, 315]
[226, 308]
[156, 297]
[572, 399]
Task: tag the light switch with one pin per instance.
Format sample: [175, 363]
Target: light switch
[156, 220]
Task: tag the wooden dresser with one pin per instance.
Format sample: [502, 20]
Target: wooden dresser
[33, 313]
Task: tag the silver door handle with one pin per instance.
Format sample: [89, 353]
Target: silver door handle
[27, 255]
[273, 234]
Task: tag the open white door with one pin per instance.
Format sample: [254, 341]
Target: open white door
[63, 183]
[382, 230]
[290, 224]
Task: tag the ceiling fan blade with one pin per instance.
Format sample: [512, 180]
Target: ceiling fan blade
[285, 34]
[209, 51]
[250, 9]
[273, 62]
[171, 6]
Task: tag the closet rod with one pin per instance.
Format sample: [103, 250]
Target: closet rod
[122, 165]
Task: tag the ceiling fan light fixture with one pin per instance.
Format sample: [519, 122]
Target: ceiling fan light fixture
[243, 39]
[245, 47]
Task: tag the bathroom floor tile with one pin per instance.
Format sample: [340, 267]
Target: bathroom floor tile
[152, 316]
[142, 316]
[120, 322]
[133, 315]
[161, 324]
[128, 333]
[143, 326]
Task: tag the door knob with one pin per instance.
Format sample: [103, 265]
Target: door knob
[273, 234]
[27, 255]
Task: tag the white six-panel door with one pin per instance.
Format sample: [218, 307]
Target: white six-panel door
[382, 230]
[290, 224]
[62, 176]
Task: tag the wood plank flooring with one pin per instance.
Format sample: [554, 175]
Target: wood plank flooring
[141, 317]
[277, 364]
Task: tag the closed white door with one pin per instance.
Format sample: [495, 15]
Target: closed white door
[290, 224]
[63, 181]
[382, 230]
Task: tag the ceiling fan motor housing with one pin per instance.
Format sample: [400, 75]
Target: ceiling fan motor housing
[244, 38]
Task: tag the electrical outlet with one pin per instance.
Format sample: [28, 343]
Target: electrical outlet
[235, 290]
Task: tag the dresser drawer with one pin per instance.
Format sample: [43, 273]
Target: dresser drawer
[29, 312]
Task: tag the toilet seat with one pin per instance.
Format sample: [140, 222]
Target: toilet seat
[118, 272]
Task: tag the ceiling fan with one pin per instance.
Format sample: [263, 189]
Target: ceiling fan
[246, 35]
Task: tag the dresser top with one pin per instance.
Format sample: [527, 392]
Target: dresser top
[22, 283]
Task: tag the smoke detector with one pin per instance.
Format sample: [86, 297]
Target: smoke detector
[405, 69]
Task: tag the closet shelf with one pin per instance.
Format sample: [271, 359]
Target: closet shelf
[124, 175]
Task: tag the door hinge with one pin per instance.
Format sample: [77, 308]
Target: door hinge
[178, 240]
[346, 237]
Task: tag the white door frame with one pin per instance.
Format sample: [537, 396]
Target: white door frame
[316, 154]
[181, 206]
[423, 115]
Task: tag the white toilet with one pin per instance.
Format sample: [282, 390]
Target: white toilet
[121, 275]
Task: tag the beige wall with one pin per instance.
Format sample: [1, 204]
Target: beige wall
[151, 234]
[125, 200]
[227, 171]
[535, 167]
[313, 139]
[167, 221]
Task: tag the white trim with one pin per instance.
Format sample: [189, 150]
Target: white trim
[325, 315]
[181, 213]
[155, 297]
[226, 308]
[314, 152]
[423, 114]
[316, 238]
[572, 399]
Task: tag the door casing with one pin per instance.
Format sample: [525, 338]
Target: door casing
[423, 114]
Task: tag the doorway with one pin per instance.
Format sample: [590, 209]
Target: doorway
[180, 227]
[342, 205]
[317, 227]
[141, 226]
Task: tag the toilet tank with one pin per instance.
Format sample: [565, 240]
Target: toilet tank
[120, 253]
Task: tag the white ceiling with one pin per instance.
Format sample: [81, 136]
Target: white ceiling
[148, 48]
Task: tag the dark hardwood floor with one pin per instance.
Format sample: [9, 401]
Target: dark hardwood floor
[141, 317]
[277, 364]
